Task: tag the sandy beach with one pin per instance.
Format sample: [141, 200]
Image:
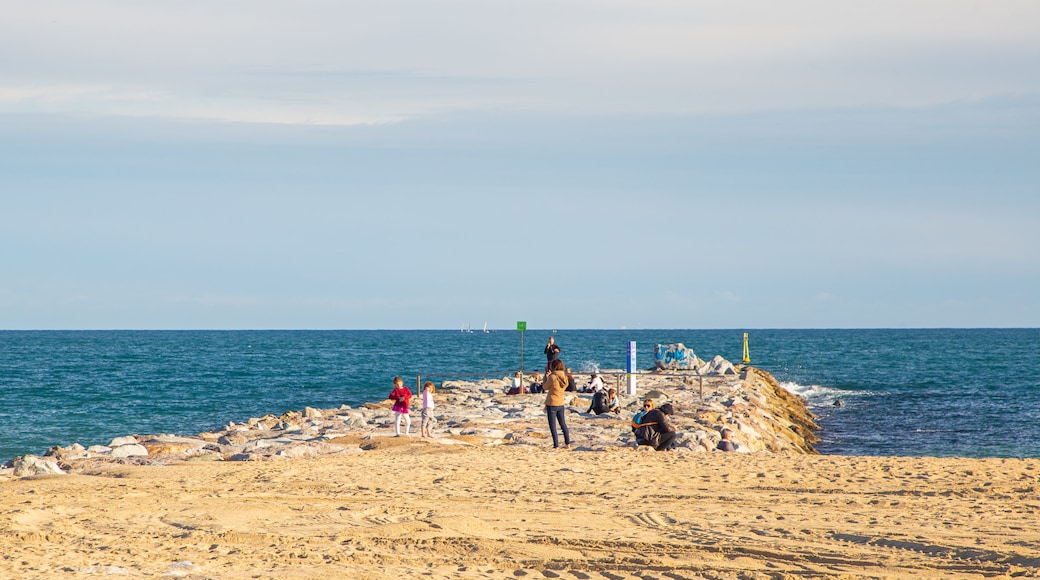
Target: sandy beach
[414, 508]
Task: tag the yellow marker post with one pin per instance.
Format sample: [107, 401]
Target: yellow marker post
[747, 355]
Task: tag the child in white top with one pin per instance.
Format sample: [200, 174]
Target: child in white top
[428, 420]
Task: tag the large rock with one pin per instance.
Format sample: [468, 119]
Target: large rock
[120, 441]
[29, 465]
[717, 366]
[674, 357]
[73, 452]
[135, 450]
[172, 445]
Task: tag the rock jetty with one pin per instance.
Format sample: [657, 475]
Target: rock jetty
[763, 416]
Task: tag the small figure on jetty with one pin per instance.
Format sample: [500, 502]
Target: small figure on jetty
[514, 387]
[654, 429]
[726, 443]
[552, 352]
[595, 383]
[402, 397]
[428, 419]
[599, 403]
[648, 405]
[613, 404]
[555, 386]
[536, 384]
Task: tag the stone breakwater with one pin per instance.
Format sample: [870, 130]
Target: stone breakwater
[763, 416]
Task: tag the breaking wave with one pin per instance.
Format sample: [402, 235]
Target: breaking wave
[819, 395]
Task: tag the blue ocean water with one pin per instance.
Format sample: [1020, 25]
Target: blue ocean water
[936, 392]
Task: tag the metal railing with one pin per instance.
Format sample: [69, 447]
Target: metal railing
[616, 374]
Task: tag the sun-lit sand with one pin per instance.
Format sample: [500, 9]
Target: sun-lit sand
[414, 508]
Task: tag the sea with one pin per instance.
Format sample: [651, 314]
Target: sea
[908, 392]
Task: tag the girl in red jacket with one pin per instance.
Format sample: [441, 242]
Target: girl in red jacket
[402, 398]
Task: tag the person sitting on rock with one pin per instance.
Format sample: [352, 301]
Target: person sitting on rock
[613, 404]
[654, 428]
[515, 387]
[599, 403]
[727, 444]
[594, 384]
[647, 406]
[536, 385]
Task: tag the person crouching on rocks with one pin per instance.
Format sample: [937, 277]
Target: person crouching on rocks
[402, 397]
[555, 385]
[655, 429]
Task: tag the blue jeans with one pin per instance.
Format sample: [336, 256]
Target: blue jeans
[558, 414]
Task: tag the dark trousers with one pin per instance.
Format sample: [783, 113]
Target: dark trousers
[558, 414]
[664, 441]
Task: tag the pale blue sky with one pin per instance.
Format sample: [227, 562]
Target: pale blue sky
[574, 164]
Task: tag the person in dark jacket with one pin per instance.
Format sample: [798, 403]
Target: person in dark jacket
[599, 403]
[552, 352]
[661, 430]
[726, 444]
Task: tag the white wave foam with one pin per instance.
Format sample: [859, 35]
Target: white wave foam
[588, 366]
[819, 394]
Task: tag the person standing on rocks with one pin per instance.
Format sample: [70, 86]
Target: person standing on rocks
[555, 386]
[552, 352]
[402, 398]
[428, 420]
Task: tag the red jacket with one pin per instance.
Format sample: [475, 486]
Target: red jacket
[402, 398]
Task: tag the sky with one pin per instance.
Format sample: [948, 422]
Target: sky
[424, 164]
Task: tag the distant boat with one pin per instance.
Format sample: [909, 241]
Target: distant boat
[466, 329]
[485, 328]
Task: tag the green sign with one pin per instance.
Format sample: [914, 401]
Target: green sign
[521, 325]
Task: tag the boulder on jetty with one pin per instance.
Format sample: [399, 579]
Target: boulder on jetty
[30, 465]
[763, 417]
[675, 357]
[679, 357]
